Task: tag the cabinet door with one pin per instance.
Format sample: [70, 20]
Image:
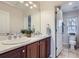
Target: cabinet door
[43, 48]
[48, 46]
[33, 50]
[16, 53]
[22, 52]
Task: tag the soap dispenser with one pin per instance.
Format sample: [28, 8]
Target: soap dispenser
[48, 30]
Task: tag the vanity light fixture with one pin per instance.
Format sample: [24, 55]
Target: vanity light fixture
[34, 5]
[57, 9]
[27, 4]
[70, 3]
[30, 2]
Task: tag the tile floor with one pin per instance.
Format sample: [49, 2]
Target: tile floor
[68, 53]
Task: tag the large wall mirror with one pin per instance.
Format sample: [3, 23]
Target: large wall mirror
[16, 15]
[32, 18]
[4, 22]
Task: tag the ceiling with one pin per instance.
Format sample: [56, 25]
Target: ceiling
[22, 6]
[67, 8]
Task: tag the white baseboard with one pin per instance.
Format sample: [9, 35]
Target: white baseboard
[51, 56]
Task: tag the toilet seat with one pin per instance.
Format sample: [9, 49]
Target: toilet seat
[72, 42]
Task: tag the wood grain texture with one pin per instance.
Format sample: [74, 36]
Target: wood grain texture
[33, 50]
[17, 53]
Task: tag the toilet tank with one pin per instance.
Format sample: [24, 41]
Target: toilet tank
[72, 37]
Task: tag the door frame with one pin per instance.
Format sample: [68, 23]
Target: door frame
[56, 30]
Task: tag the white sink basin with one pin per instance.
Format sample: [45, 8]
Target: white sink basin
[15, 41]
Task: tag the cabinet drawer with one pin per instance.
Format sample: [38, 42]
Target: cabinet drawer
[17, 53]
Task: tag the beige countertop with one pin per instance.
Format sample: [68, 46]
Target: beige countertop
[7, 47]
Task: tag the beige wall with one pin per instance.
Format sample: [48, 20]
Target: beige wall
[16, 17]
[48, 17]
[47, 10]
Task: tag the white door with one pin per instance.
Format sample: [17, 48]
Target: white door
[59, 32]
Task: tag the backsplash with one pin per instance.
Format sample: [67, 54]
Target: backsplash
[3, 34]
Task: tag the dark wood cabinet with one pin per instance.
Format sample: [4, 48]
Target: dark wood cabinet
[42, 48]
[39, 49]
[48, 46]
[16, 53]
[45, 48]
[33, 50]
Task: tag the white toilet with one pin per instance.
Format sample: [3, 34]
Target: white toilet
[72, 41]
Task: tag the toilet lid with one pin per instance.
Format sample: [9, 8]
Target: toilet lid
[72, 42]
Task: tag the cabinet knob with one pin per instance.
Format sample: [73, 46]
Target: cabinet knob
[23, 50]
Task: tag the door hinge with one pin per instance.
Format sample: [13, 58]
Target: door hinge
[56, 30]
[56, 48]
[56, 12]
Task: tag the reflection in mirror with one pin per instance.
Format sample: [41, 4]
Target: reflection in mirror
[34, 23]
[14, 16]
[29, 22]
[4, 22]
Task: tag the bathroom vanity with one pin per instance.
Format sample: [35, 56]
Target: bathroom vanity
[38, 47]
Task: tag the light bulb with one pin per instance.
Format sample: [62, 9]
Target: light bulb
[31, 7]
[70, 3]
[34, 5]
[30, 2]
[27, 4]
